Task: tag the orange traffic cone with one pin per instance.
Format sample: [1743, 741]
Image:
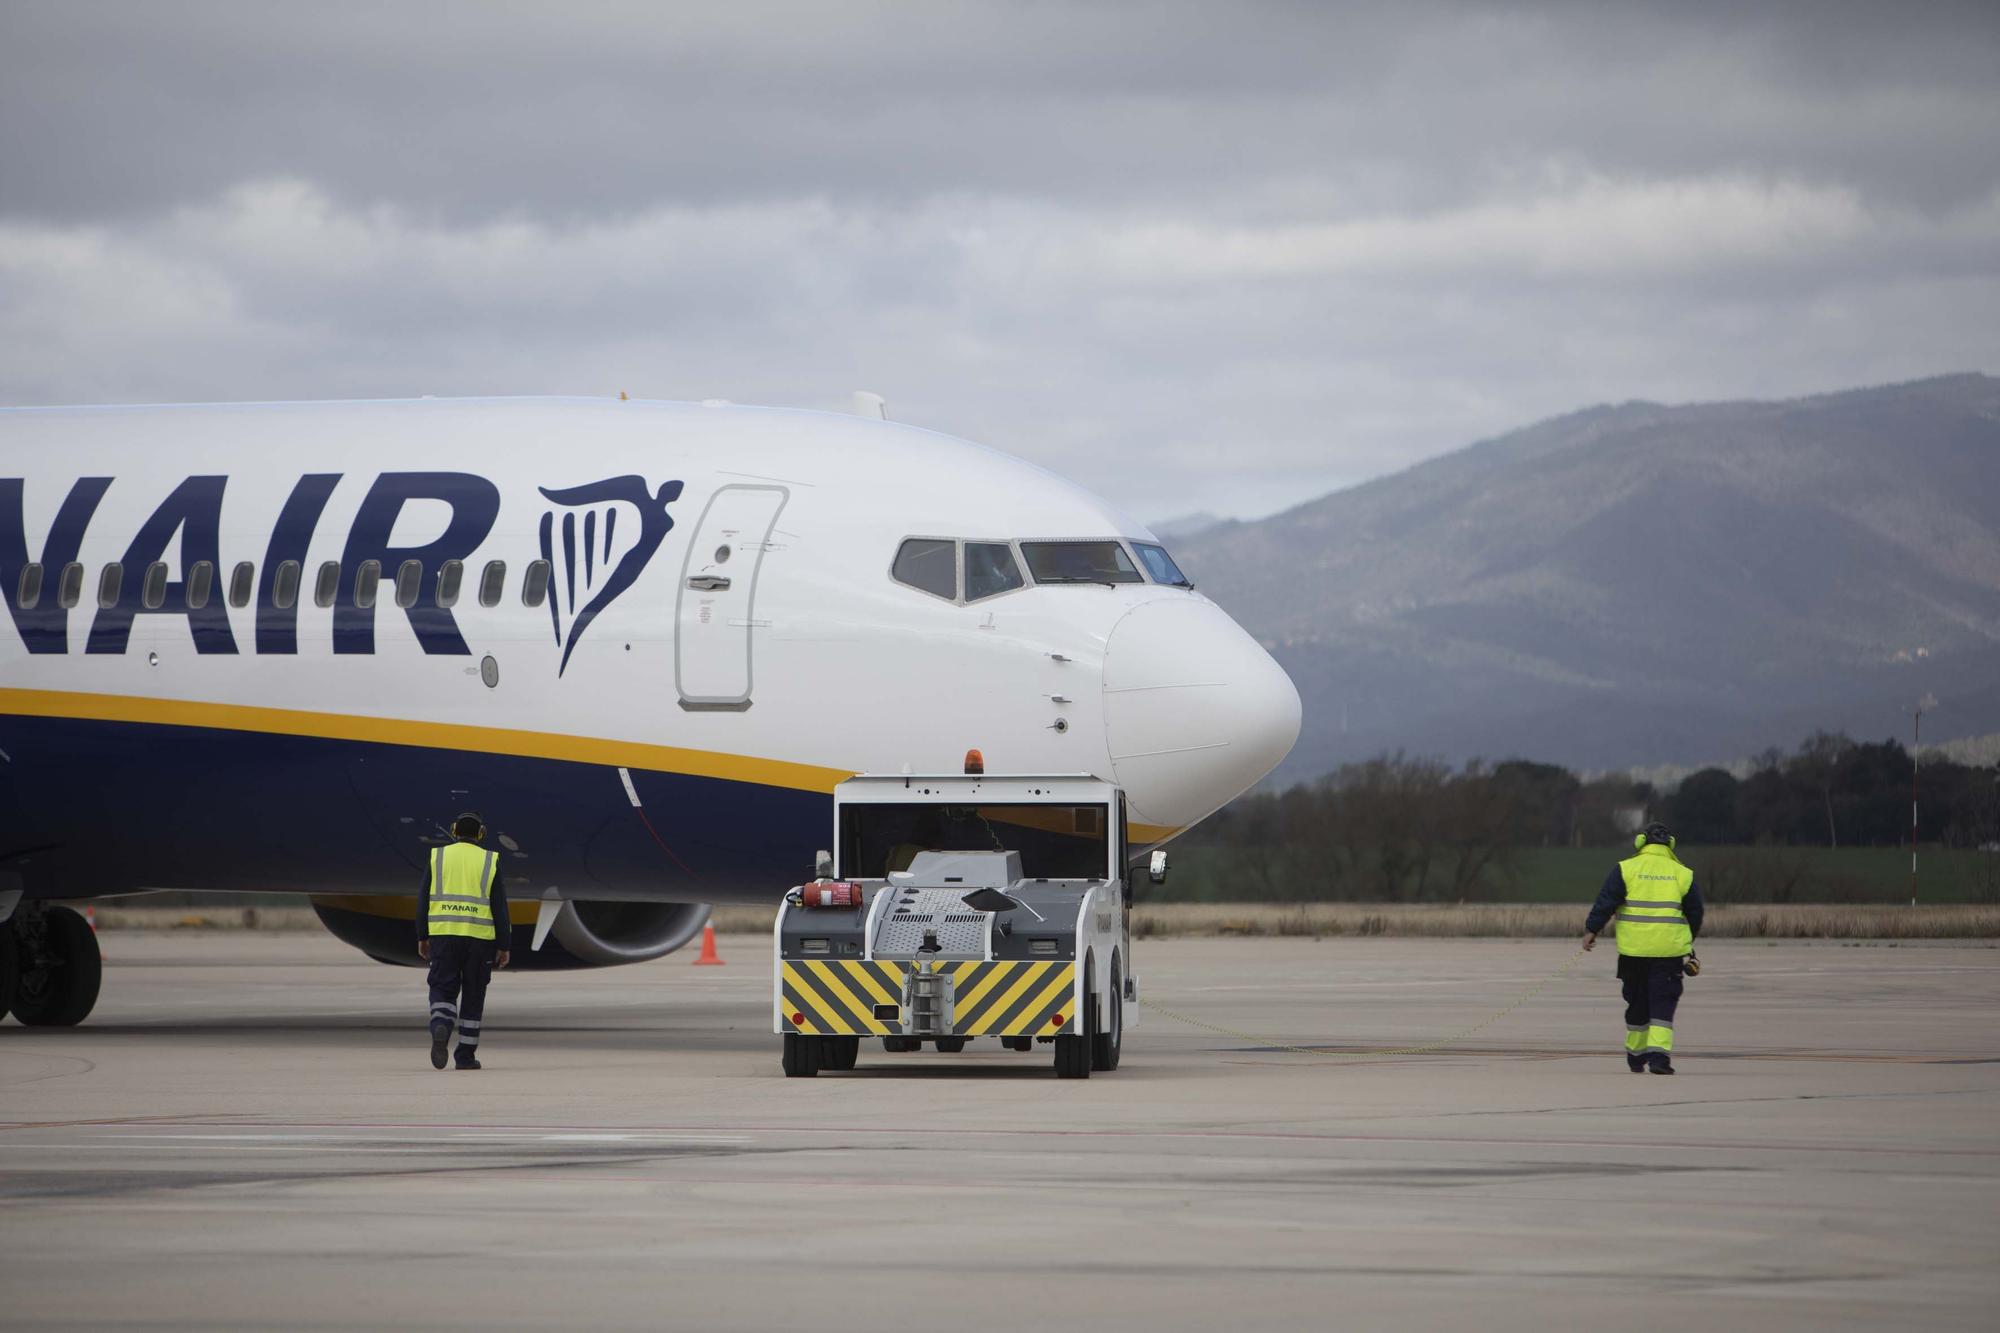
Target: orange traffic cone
[90, 919]
[709, 958]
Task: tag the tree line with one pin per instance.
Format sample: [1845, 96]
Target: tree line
[1837, 792]
[1400, 828]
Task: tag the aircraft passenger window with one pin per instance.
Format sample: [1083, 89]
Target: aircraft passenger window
[990, 570]
[1080, 562]
[409, 581]
[1160, 566]
[535, 583]
[109, 584]
[30, 592]
[492, 582]
[928, 565]
[327, 584]
[366, 577]
[153, 592]
[200, 580]
[285, 587]
[450, 574]
[69, 589]
[242, 582]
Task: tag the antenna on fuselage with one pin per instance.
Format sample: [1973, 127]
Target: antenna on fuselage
[868, 404]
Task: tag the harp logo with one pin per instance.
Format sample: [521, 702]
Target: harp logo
[597, 539]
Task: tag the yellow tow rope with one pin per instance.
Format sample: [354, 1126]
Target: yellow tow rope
[1425, 1049]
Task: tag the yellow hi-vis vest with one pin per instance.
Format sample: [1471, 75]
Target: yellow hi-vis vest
[1651, 923]
[462, 890]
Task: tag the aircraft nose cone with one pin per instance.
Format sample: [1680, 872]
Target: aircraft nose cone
[1195, 711]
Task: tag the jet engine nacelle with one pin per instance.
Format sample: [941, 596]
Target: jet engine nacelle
[585, 934]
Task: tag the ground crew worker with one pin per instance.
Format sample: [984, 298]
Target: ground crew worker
[1658, 908]
[463, 932]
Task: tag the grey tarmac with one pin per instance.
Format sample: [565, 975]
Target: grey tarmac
[248, 1134]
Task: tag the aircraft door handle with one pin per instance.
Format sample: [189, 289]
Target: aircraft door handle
[708, 583]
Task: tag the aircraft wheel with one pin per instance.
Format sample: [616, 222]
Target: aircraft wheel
[801, 1055]
[60, 970]
[1107, 1045]
[839, 1053]
[10, 969]
[1018, 1043]
[900, 1045]
[951, 1045]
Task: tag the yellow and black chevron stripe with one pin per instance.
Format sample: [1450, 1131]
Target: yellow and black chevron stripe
[838, 998]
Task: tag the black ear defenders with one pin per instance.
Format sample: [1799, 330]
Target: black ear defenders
[478, 836]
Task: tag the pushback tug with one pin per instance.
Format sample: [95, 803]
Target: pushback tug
[958, 907]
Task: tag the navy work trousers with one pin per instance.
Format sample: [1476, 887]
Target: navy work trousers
[460, 969]
[1652, 991]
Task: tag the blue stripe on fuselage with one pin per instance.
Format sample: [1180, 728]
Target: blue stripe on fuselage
[116, 806]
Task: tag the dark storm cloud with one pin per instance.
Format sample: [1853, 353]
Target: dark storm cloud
[1210, 256]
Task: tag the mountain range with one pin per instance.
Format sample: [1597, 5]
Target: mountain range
[1643, 584]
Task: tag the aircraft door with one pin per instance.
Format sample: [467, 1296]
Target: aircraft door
[718, 591]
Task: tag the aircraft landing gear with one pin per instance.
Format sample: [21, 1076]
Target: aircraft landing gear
[10, 969]
[55, 967]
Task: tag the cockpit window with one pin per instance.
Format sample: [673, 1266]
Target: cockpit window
[1080, 562]
[990, 570]
[928, 565]
[1160, 566]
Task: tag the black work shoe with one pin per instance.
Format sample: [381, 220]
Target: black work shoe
[1635, 1063]
[1662, 1067]
[438, 1044]
[473, 1063]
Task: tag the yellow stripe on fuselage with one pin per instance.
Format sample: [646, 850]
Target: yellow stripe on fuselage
[447, 736]
[424, 735]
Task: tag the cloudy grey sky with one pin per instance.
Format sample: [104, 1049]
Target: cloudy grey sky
[1197, 256]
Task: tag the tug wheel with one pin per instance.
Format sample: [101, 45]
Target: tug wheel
[1106, 1046]
[951, 1045]
[839, 1053]
[1073, 1052]
[801, 1055]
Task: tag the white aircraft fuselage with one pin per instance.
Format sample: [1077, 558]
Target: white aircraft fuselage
[723, 637]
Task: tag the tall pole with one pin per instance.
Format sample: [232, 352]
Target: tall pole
[1929, 701]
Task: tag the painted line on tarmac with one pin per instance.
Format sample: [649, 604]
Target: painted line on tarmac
[1620, 1143]
[384, 1138]
[111, 1145]
[1547, 1053]
[188, 1118]
[1279, 984]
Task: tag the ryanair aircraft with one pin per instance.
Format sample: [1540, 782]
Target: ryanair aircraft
[277, 647]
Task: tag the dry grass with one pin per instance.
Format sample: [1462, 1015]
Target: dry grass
[738, 919]
[1494, 920]
[1557, 920]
